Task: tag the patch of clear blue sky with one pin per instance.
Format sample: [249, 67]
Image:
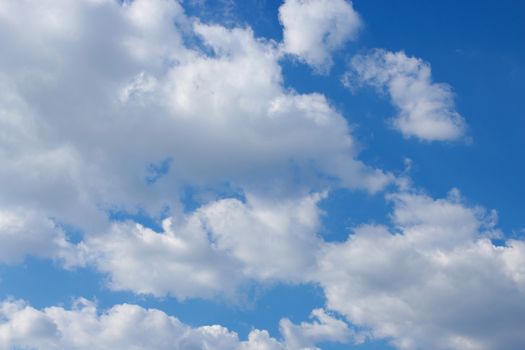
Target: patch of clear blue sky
[43, 284]
[475, 46]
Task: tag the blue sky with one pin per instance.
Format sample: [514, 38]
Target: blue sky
[245, 163]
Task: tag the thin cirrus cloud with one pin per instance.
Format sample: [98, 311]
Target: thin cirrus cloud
[426, 109]
[81, 134]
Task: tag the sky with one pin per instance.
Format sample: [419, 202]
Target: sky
[262, 175]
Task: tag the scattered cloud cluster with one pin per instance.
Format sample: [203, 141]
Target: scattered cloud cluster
[384, 280]
[433, 279]
[80, 130]
[426, 109]
[121, 107]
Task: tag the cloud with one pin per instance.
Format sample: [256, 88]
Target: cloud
[126, 326]
[23, 233]
[227, 240]
[80, 129]
[306, 335]
[203, 107]
[426, 109]
[314, 29]
[435, 282]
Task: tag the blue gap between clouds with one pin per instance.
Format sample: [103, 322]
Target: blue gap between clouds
[44, 284]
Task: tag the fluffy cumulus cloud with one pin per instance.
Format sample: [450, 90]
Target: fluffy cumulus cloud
[113, 108]
[435, 282]
[128, 326]
[108, 106]
[314, 29]
[325, 327]
[23, 232]
[215, 251]
[426, 109]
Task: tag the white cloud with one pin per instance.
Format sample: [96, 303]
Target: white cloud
[274, 240]
[128, 326]
[226, 240]
[305, 335]
[79, 129]
[426, 109]
[251, 128]
[436, 282]
[23, 233]
[314, 29]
